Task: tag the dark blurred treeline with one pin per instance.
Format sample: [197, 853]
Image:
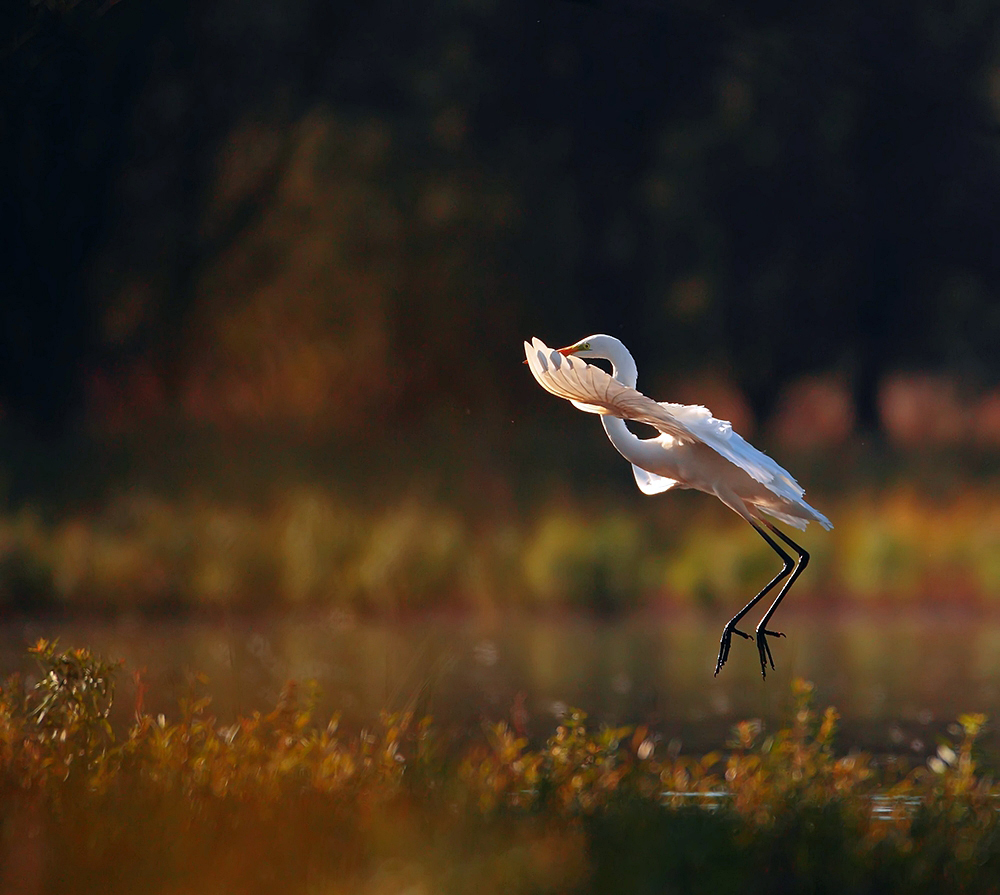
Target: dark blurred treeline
[338, 216]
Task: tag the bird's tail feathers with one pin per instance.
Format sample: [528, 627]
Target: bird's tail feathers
[799, 522]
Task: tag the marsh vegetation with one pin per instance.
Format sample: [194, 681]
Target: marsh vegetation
[194, 802]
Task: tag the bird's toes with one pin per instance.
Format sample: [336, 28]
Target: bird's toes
[764, 650]
[772, 633]
[723, 655]
[727, 642]
[763, 664]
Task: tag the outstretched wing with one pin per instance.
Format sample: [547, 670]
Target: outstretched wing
[719, 435]
[593, 390]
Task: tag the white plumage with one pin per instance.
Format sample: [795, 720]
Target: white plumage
[693, 450]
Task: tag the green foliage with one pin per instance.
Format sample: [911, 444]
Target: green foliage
[288, 799]
[307, 546]
[585, 562]
[72, 701]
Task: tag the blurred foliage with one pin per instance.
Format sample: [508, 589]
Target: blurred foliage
[311, 215]
[308, 546]
[287, 798]
[296, 228]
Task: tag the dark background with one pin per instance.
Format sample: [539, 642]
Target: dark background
[762, 190]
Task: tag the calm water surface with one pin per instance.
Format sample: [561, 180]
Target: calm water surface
[898, 678]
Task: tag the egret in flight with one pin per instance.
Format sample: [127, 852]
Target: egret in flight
[693, 450]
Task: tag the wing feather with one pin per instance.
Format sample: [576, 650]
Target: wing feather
[650, 482]
[719, 435]
[591, 389]
[588, 385]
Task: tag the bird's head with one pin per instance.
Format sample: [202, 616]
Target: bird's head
[597, 345]
[608, 348]
[582, 348]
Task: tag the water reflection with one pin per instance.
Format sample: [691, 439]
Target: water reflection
[898, 679]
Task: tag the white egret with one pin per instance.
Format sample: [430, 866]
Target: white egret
[693, 450]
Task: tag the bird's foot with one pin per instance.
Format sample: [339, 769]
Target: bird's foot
[726, 642]
[765, 650]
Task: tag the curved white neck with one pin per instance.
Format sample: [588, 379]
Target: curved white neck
[620, 436]
[623, 368]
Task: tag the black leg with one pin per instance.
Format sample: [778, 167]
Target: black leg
[762, 632]
[730, 629]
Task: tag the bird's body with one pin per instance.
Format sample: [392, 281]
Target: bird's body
[692, 450]
[670, 462]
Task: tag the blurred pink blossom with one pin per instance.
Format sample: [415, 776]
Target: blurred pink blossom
[814, 411]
